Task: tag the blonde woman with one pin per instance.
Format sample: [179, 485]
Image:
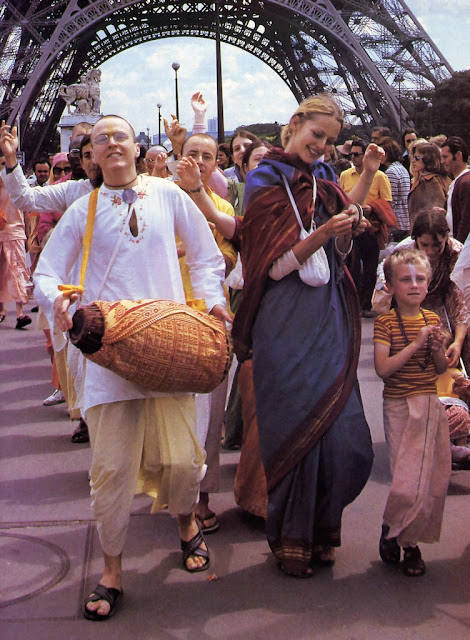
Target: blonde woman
[303, 341]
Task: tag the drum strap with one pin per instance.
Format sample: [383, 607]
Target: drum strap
[70, 289]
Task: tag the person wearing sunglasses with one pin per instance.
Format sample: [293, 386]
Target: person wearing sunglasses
[74, 158]
[60, 167]
[430, 183]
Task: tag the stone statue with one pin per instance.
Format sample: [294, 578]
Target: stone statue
[86, 93]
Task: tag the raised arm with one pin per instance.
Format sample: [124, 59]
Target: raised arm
[199, 107]
[9, 144]
[176, 134]
[190, 181]
[373, 157]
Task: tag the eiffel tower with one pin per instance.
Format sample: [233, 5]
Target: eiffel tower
[369, 53]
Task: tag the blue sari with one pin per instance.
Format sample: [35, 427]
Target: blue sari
[314, 439]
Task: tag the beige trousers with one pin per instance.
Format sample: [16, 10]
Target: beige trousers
[142, 446]
[66, 382]
[417, 434]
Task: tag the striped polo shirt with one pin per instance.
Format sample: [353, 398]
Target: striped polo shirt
[411, 379]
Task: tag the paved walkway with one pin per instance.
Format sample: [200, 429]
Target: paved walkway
[49, 553]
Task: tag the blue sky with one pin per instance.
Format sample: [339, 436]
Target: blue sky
[136, 80]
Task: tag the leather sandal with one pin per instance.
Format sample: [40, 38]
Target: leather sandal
[413, 564]
[208, 524]
[113, 596]
[389, 548]
[193, 548]
[80, 435]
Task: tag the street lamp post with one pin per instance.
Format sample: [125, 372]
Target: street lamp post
[218, 57]
[176, 66]
[159, 124]
[148, 138]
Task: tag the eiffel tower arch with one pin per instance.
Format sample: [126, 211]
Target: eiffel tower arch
[368, 53]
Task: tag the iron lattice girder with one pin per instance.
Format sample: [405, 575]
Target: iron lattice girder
[358, 49]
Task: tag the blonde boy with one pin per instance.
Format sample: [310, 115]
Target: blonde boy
[409, 353]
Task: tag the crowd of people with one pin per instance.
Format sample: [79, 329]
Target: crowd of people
[283, 245]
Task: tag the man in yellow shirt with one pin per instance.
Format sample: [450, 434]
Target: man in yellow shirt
[198, 163]
[365, 256]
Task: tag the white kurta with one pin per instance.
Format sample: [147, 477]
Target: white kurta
[146, 266]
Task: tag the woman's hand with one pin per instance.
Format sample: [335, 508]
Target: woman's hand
[188, 174]
[453, 354]
[338, 225]
[359, 224]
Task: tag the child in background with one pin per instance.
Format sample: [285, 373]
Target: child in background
[453, 390]
[408, 354]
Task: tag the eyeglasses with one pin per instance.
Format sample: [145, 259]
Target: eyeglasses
[74, 153]
[58, 170]
[118, 136]
[417, 158]
[356, 155]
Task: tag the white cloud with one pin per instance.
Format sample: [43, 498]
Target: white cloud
[134, 81]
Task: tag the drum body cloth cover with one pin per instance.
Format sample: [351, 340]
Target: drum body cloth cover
[160, 345]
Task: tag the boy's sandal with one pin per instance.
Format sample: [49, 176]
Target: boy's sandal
[389, 548]
[2, 317]
[413, 564]
[113, 596]
[193, 548]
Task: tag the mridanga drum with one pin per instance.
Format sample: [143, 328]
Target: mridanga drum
[160, 345]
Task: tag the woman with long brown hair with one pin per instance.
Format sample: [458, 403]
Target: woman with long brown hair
[429, 185]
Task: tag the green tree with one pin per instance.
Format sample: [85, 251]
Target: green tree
[449, 112]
